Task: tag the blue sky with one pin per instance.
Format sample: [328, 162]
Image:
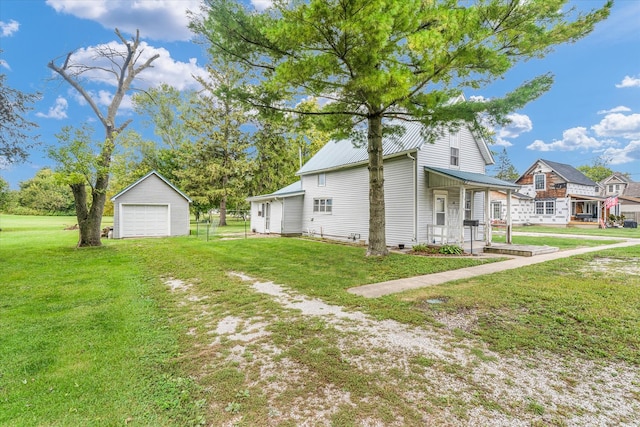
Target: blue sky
[592, 111]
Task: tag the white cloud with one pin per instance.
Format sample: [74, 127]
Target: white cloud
[9, 28]
[520, 123]
[618, 156]
[619, 125]
[5, 64]
[629, 81]
[58, 111]
[156, 19]
[261, 4]
[572, 139]
[618, 109]
[163, 70]
[502, 142]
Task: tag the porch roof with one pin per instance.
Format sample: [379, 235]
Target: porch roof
[585, 197]
[473, 178]
[290, 190]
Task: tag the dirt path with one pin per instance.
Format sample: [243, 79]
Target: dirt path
[445, 379]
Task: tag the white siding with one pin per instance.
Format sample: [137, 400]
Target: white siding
[292, 215]
[349, 191]
[399, 200]
[154, 191]
[582, 190]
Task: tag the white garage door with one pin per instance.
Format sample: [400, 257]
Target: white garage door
[144, 220]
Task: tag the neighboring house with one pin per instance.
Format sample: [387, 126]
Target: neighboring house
[522, 207]
[150, 207]
[627, 192]
[430, 189]
[279, 212]
[560, 194]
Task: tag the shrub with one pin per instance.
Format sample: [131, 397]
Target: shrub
[451, 250]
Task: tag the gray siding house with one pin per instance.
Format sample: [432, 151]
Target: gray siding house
[150, 207]
[430, 189]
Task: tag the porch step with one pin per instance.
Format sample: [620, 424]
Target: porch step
[519, 250]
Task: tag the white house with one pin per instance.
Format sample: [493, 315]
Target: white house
[430, 189]
[150, 207]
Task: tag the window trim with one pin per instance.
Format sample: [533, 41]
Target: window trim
[323, 205]
[535, 181]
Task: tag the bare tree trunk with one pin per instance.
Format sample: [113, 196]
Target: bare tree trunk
[377, 225]
[223, 211]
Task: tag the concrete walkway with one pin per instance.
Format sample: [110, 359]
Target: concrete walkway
[394, 286]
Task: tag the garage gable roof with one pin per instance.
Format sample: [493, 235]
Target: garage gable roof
[143, 179]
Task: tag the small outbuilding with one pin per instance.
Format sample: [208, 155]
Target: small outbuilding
[150, 207]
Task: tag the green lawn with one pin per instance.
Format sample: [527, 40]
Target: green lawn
[94, 337]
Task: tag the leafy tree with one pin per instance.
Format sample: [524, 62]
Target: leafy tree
[44, 194]
[122, 66]
[15, 138]
[5, 195]
[380, 60]
[276, 156]
[597, 171]
[216, 166]
[503, 168]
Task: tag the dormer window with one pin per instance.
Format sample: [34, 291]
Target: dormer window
[539, 181]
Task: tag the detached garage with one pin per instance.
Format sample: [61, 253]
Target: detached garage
[150, 207]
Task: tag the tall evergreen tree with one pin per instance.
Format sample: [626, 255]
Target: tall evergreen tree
[216, 166]
[503, 168]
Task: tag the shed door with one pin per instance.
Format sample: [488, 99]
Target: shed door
[144, 220]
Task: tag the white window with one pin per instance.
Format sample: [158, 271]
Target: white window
[539, 181]
[455, 156]
[610, 188]
[550, 207]
[454, 144]
[322, 205]
[496, 210]
[322, 180]
[546, 208]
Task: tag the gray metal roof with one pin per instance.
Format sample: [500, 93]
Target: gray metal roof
[473, 178]
[569, 173]
[290, 190]
[343, 153]
[147, 176]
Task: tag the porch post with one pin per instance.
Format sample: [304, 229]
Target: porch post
[463, 204]
[508, 231]
[487, 217]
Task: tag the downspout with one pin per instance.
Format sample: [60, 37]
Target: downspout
[415, 198]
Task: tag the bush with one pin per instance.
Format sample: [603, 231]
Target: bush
[451, 250]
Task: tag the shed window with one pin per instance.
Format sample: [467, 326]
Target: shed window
[539, 181]
[322, 205]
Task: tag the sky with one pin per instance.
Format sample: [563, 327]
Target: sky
[591, 113]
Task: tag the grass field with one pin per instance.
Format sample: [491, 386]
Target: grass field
[95, 336]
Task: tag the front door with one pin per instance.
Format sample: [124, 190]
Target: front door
[267, 217]
[440, 218]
